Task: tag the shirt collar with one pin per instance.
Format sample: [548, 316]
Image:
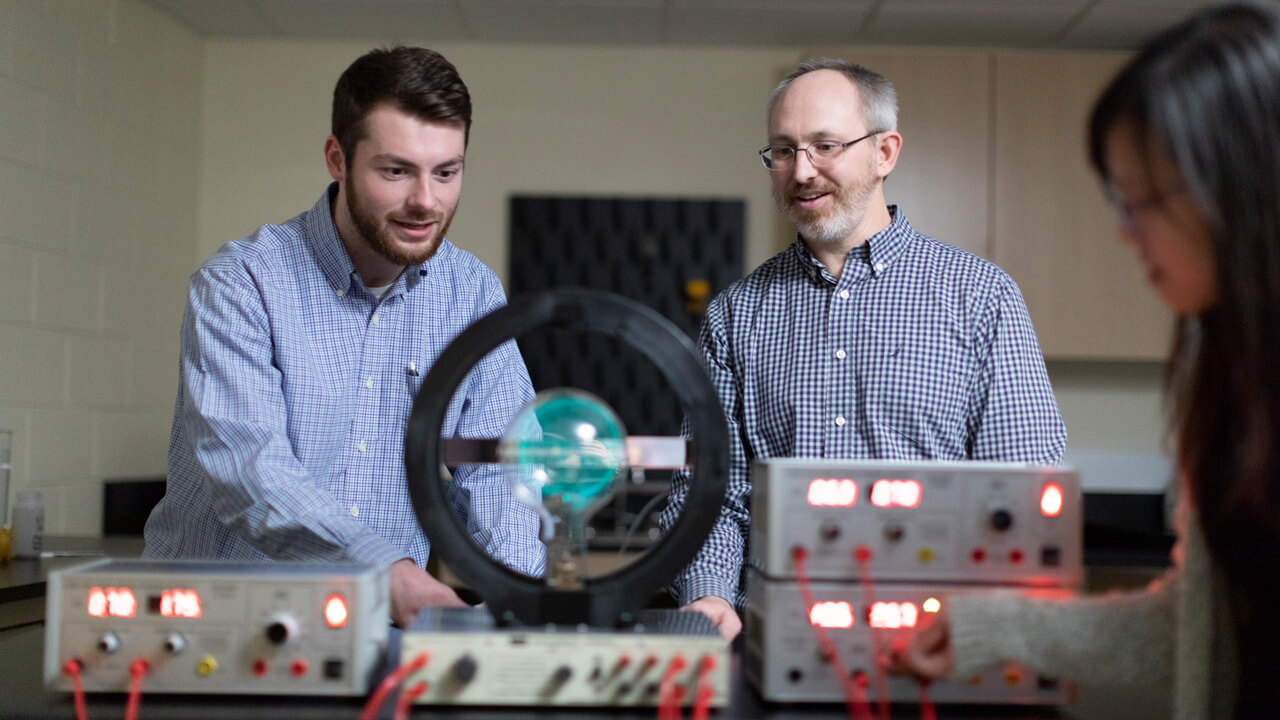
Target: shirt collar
[877, 254]
[332, 255]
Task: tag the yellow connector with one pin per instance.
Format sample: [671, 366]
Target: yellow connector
[207, 666]
[925, 555]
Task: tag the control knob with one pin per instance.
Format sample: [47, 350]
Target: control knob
[1001, 520]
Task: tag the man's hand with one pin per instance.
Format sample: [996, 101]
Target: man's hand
[925, 654]
[720, 612]
[413, 588]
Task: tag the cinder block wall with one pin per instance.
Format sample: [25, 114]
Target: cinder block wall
[99, 145]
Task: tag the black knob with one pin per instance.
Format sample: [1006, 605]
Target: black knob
[562, 675]
[464, 668]
[1001, 520]
[795, 675]
[894, 533]
[277, 633]
[829, 531]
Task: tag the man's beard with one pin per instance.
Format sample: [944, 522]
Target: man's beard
[829, 225]
[377, 231]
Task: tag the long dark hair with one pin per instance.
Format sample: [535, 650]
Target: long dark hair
[1206, 94]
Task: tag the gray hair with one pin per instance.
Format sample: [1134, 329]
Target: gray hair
[879, 99]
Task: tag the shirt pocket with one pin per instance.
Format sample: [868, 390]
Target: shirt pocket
[918, 395]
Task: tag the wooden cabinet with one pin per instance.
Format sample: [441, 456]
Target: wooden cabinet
[1053, 230]
[994, 161]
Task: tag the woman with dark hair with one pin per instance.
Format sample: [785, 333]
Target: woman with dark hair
[1187, 141]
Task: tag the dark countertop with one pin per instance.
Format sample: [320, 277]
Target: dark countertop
[25, 579]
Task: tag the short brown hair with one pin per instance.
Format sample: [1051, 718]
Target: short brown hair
[414, 80]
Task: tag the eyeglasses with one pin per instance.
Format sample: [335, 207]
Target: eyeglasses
[821, 154]
[1130, 210]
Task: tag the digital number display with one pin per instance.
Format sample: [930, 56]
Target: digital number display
[833, 614]
[833, 492]
[893, 615]
[176, 604]
[896, 493]
[112, 602]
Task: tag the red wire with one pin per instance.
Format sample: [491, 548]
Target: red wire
[137, 669]
[406, 699]
[858, 709]
[72, 668]
[391, 682]
[927, 711]
[668, 693]
[862, 556]
[702, 697]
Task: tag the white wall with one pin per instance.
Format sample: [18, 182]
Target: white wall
[630, 121]
[644, 121]
[99, 119]
[130, 150]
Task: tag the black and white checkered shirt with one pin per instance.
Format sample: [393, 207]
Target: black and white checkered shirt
[919, 350]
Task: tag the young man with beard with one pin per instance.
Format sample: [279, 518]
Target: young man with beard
[304, 345]
[864, 338]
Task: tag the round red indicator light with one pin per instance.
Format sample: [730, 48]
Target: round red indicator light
[259, 668]
[1051, 500]
[335, 611]
[979, 555]
[1015, 556]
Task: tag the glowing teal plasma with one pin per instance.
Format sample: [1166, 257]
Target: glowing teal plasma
[566, 447]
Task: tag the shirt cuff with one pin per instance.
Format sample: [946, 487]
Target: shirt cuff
[692, 588]
[372, 549]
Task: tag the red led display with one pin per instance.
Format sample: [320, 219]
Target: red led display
[832, 614]
[833, 492]
[113, 602]
[180, 604]
[896, 493]
[893, 615]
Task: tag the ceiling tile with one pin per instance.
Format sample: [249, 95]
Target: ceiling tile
[1014, 23]
[804, 22]
[240, 18]
[564, 21]
[383, 19]
[1124, 26]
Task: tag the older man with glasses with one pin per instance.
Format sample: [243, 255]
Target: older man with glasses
[864, 338]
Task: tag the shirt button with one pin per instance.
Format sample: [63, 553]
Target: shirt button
[361, 446]
[369, 383]
[375, 319]
[879, 267]
[840, 422]
[355, 510]
[840, 354]
[340, 292]
[844, 294]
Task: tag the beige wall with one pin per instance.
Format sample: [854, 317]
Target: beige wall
[637, 121]
[130, 150]
[607, 121]
[99, 119]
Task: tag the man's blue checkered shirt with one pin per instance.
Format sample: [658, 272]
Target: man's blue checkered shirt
[296, 383]
[919, 351]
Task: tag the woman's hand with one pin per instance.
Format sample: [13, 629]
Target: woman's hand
[926, 653]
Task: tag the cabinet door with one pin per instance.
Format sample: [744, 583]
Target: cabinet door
[1054, 232]
[942, 178]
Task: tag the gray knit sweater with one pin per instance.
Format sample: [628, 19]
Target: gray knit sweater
[1175, 635]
